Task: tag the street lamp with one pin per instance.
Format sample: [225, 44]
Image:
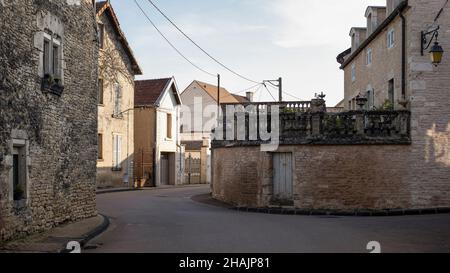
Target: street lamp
[436, 51]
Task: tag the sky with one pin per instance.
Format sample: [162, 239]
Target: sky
[297, 40]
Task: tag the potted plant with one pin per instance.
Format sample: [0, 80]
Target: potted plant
[387, 105]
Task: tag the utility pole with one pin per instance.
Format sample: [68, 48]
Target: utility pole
[279, 84]
[280, 88]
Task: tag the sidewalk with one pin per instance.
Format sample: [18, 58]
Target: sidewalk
[55, 240]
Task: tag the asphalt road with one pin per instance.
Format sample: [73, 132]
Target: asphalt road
[168, 220]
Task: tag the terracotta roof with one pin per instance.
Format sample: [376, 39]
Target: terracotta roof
[147, 93]
[225, 96]
[105, 6]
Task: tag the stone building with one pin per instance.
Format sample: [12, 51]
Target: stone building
[117, 69]
[159, 155]
[200, 104]
[48, 114]
[389, 150]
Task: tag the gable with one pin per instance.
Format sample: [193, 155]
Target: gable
[105, 8]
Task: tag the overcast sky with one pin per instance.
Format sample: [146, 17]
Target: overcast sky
[261, 39]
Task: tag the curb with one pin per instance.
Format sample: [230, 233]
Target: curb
[115, 190]
[148, 189]
[92, 234]
[355, 213]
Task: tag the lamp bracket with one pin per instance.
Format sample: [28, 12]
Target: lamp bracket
[426, 42]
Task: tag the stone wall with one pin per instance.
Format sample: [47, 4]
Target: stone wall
[59, 133]
[334, 177]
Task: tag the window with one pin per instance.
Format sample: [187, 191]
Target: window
[391, 38]
[391, 91]
[169, 126]
[19, 171]
[46, 57]
[369, 56]
[117, 100]
[100, 146]
[101, 35]
[100, 91]
[52, 57]
[117, 152]
[353, 73]
[370, 100]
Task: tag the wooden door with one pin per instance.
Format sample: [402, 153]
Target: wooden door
[283, 179]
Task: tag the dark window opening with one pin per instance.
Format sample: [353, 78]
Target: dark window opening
[100, 146]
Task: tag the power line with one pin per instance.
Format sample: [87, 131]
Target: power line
[293, 96]
[172, 45]
[270, 93]
[198, 46]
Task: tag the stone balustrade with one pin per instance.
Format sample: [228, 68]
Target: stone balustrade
[303, 123]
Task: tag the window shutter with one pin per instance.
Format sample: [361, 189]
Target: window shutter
[119, 150]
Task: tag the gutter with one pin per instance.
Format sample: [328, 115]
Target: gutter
[403, 54]
[398, 11]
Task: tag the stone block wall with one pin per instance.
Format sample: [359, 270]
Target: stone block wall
[60, 132]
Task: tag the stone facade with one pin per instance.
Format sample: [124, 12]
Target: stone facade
[347, 177]
[117, 69]
[48, 117]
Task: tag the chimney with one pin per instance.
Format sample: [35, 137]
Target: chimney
[250, 96]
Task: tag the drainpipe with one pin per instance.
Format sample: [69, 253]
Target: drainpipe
[403, 54]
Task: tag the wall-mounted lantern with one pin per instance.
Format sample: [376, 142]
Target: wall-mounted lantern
[436, 51]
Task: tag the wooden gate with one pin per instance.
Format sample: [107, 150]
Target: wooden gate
[143, 168]
[283, 179]
[192, 168]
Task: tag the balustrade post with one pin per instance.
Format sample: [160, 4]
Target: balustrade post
[360, 128]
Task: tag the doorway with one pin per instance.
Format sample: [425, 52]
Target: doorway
[283, 187]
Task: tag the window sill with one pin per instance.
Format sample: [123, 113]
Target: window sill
[100, 105]
[100, 160]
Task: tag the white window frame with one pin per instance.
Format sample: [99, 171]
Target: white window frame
[117, 152]
[369, 57]
[391, 38]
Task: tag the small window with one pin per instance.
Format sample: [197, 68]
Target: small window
[391, 38]
[19, 173]
[100, 146]
[369, 57]
[101, 35]
[100, 91]
[353, 73]
[169, 126]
